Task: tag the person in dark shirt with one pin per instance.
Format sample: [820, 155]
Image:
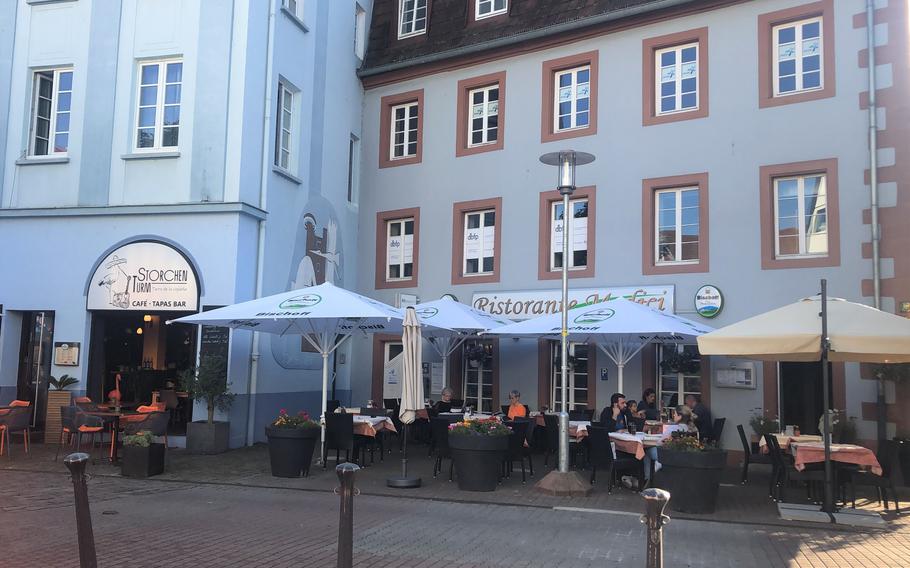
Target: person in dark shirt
[703, 420]
[444, 405]
[648, 405]
[614, 417]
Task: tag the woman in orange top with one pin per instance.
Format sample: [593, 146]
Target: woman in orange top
[516, 408]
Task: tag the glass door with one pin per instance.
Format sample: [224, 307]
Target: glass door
[477, 383]
[578, 376]
[35, 361]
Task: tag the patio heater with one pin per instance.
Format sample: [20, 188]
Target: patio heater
[565, 161]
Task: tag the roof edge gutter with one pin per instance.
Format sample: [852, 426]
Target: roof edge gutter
[525, 36]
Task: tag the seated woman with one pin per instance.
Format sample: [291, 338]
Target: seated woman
[445, 404]
[516, 408]
[648, 405]
[684, 416]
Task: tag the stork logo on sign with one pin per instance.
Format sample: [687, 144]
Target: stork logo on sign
[300, 302]
[595, 316]
[426, 313]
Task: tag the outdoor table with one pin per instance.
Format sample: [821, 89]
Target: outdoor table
[578, 429]
[633, 444]
[785, 441]
[372, 425]
[814, 452]
[114, 418]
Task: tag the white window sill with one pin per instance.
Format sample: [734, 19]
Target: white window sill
[412, 34]
[149, 155]
[295, 19]
[676, 262]
[38, 160]
[287, 175]
[800, 256]
[36, 2]
[479, 17]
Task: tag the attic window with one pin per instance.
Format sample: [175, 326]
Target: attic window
[488, 8]
[412, 18]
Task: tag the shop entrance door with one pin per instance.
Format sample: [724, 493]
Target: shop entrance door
[35, 350]
[801, 395]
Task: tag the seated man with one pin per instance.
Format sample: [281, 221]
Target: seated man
[702, 417]
[516, 408]
[445, 404]
[614, 417]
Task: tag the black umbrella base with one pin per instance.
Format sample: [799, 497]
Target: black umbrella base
[403, 482]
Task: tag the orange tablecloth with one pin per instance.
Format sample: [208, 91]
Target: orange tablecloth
[628, 443]
[785, 441]
[814, 452]
[367, 426]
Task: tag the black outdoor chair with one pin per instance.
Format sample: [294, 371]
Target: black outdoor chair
[717, 430]
[600, 455]
[339, 435]
[517, 448]
[581, 414]
[440, 431]
[551, 426]
[458, 403]
[171, 402]
[888, 455]
[15, 419]
[74, 425]
[332, 405]
[785, 473]
[749, 457]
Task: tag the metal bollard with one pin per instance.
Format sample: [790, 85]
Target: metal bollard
[76, 464]
[655, 503]
[346, 473]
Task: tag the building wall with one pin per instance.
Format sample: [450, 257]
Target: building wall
[730, 144]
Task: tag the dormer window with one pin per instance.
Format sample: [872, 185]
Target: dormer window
[412, 18]
[487, 8]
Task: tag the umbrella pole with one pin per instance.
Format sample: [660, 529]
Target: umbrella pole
[325, 389]
[828, 505]
[619, 368]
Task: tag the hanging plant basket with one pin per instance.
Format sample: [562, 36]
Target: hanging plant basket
[685, 363]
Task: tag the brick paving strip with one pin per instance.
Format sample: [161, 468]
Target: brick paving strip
[227, 511]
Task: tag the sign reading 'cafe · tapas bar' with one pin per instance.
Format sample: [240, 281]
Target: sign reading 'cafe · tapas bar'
[526, 304]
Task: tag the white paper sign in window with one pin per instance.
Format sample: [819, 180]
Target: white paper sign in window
[479, 242]
[400, 249]
[578, 234]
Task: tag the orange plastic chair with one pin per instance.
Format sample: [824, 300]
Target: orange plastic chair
[16, 403]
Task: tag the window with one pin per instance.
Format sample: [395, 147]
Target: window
[476, 241]
[480, 376]
[679, 369]
[292, 6]
[484, 121]
[284, 129]
[360, 31]
[412, 17]
[572, 104]
[578, 384]
[676, 225]
[404, 131]
[800, 216]
[353, 168]
[796, 54]
[51, 108]
[569, 97]
[397, 248]
[578, 234]
[400, 129]
[158, 116]
[487, 8]
[400, 249]
[677, 78]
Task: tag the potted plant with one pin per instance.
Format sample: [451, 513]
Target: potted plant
[477, 448]
[843, 428]
[691, 473]
[292, 440]
[762, 425]
[208, 382]
[56, 398]
[141, 456]
[475, 354]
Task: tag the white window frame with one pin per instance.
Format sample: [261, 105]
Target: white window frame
[574, 98]
[801, 216]
[487, 109]
[353, 170]
[413, 19]
[482, 243]
[556, 240]
[159, 105]
[293, 6]
[407, 249]
[681, 391]
[678, 242]
[408, 133]
[798, 41]
[478, 4]
[38, 75]
[285, 117]
[556, 377]
[677, 78]
[360, 31]
[478, 376]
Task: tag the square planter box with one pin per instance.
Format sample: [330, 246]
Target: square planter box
[142, 462]
[52, 426]
[205, 438]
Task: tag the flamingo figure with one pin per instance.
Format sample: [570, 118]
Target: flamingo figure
[115, 394]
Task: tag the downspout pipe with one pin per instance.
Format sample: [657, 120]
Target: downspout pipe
[263, 204]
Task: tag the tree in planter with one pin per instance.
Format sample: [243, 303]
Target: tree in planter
[208, 382]
[57, 397]
[64, 382]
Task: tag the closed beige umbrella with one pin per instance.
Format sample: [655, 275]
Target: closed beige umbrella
[857, 333]
[411, 391]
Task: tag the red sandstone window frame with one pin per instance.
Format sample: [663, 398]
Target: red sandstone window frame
[548, 94]
[767, 175]
[385, 128]
[649, 189]
[649, 48]
[545, 225]
[465, 86]
[459, 210]
[382, 220]
[766, 23]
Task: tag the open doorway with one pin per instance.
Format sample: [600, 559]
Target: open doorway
[147, 356]
[801, 398]
[35, 348]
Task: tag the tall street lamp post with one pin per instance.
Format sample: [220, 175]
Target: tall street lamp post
[565, 160]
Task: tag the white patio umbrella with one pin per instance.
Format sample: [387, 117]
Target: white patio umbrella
[816, 329]
[457, 323]
[411, 391]
[318, 313]
[621, 328]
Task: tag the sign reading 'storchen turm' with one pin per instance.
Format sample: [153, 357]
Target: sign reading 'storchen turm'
[528, 304]
[144, 276]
